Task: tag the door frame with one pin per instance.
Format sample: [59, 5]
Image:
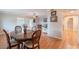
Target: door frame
[74, 25]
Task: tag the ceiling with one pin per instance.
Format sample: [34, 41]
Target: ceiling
[25, 12]
[37, 12]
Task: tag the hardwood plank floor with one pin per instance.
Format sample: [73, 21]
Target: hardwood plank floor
[50, 43]
[45, 42]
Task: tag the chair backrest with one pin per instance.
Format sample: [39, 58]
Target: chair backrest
[25, 29]
[18, 29]
[34, 28]
[36, 37]
[39, 27]
[8, 38]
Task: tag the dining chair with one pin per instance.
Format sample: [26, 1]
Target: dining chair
[39, 27]
[10, 44]
[25, 29]
[34, 28]
[34, 42]
[18, 29]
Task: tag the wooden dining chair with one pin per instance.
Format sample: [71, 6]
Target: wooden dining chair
[34, 42]
[10, 44]
[34, 28]
[25, 29]
[39, 27]
[18, 29]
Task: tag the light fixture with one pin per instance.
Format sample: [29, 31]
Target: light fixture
[34, 16]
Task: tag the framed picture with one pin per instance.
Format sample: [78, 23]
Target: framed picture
[53, 19]
[53, 13]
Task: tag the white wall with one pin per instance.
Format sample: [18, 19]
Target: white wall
[0, 19]
[78, 31]
[55, 28]
[8, 21]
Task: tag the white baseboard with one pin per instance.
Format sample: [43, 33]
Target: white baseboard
[55, 37]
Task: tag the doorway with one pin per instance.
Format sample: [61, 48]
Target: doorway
[70, 31]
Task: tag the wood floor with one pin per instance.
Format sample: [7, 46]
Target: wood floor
[50, 42]
[45, 42]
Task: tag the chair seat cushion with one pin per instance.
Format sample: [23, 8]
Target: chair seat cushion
[29, 44]
[14, 43]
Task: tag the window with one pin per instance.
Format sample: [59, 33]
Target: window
[20, 21]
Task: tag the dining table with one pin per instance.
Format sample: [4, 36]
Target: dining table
[21, 38]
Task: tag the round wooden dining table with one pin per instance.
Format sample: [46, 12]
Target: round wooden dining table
[21, 37]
